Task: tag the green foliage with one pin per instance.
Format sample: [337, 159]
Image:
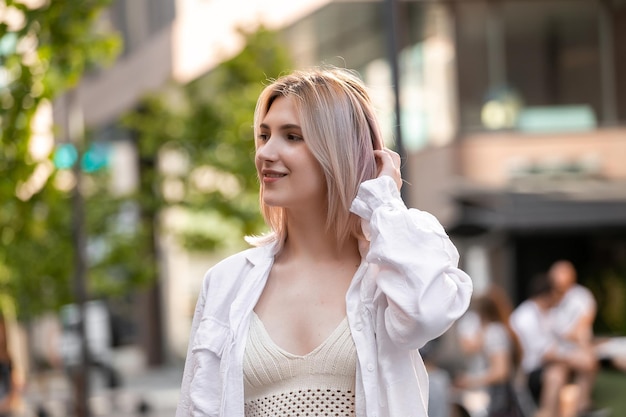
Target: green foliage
[44, 52]
[608, 391]
[44, 57]
[120, 258]
[208, 123]
[608, 285]
[36, 256]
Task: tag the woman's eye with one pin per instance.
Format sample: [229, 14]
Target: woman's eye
[294, 137]
[263, 136]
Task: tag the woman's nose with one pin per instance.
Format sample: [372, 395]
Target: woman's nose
[267, 151]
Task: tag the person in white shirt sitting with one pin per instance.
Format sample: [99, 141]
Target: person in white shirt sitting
[572, 320]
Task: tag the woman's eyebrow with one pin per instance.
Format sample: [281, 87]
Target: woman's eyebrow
[282, 127]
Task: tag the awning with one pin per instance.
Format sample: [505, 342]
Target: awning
[480, 212]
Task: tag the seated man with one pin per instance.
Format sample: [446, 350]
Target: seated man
[576, 311]
[547, 363]
[572, 320]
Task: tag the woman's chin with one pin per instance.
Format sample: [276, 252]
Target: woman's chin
[271, 202]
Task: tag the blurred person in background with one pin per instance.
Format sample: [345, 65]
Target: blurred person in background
[9, 389]
[497, 344]
[576, 311]
[547, 362]
[531, 323]
[572, 320]
[328, 310]
[468, 329]
[439, 381]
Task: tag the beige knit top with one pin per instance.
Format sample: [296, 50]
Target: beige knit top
[280, 384]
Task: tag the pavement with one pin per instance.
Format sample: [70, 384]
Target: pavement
[149, 392]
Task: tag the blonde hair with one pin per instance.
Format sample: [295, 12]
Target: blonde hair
[340, 127]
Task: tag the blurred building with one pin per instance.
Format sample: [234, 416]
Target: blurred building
[165, 41]
[513, 115]
[541, 138]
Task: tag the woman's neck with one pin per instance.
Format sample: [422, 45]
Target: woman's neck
[309, 239]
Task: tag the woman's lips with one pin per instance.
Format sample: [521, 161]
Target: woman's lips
[270, 177]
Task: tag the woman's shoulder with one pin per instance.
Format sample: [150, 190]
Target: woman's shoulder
[236, 266]
[251, 256]
[232, 274]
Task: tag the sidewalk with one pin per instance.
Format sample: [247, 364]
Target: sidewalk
[152, 392]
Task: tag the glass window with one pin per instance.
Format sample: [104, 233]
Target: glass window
[427, 88]
[471, 55]
[529, 65]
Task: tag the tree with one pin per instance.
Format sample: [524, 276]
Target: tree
[45, 48]
[208, 125]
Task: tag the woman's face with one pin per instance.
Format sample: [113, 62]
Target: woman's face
[290, 175]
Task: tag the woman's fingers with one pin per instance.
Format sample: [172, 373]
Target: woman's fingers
[389, 163]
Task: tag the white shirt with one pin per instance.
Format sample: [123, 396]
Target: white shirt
[533, 328]
[469, 329]
[496, 339]
[577, 302]
[407, 291]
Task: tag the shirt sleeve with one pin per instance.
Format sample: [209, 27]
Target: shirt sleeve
[533, 333]
[417, 265]
[577, 303]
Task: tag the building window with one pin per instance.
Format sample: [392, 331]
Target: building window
[530, 66]
[139, 20]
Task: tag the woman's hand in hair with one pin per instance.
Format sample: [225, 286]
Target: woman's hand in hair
[388, 163]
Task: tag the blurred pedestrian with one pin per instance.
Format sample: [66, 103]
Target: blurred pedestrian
[499, 348]
[328, 310]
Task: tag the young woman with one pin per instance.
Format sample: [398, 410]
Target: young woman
[496, 344]
[325, 315]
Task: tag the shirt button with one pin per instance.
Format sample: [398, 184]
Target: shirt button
[370, 367]
[358, 327]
